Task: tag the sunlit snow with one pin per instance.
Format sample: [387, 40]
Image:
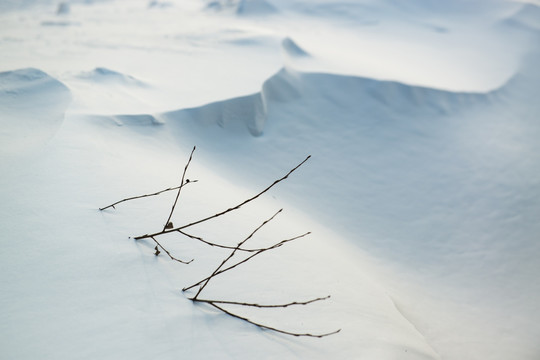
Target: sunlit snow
[422, 193]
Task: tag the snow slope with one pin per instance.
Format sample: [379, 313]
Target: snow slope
[422, 192]
[32, 105]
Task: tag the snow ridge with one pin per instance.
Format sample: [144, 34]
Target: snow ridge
[251, 112]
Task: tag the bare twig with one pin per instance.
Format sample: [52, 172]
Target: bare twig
[169, 227]
[210, 243]
[269, 327]
[147, 195]
[216, 244]
[234, 251]
[179, 189]
[261, 305]
[225, 211]
[246, 259]
[168, 253]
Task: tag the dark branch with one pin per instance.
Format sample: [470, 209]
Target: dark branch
[208, 242]
[246, 259]
[169, 227]
[269, 327]
[168, 253]
[147, 195]
[228, 210]
[179, 189]
[261, 305]
[234, 251]
[216, 244]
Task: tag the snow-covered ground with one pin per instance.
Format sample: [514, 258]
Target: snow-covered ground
[422, 193]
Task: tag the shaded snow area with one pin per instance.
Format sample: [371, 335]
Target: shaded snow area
[422, 193]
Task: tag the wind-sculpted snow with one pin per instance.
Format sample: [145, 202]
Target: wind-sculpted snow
[243, 7]
[292, 49]
[389, 158]
[366, 96]
[32, 107]
[421, 194]
[527, 17]
[106, 76]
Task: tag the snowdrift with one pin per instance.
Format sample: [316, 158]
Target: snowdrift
[369, 97]
[403, 154]
[32, 108]
[104, 76]
[256, 8]
[527, 17]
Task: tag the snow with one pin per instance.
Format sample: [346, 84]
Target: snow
[422, 193]
[25, 128]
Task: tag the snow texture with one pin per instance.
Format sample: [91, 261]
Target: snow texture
[422, 193]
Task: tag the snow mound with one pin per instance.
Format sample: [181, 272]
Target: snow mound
[255, 7]
[245, 112]
[442, 7]
[234, 115]
[154, 4]
[358, 13]
[108, 77]
[32, 105]
[63, 8]
[292, 49]
[376, 97]
[527, 17]
[138, 120]
[244, 7]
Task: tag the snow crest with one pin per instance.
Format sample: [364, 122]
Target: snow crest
[372, 96]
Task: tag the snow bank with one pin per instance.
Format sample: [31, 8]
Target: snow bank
[370, 95]
[244, 7]
[32, 105]
[292, 49]
[526, 17]
[106, 76]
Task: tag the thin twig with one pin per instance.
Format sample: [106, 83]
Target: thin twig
[234, 251]
[247, 259]
[269, 327]
[168, 253]
[208, 242]
[179, 190]
[261, 305]
[147, 195]
[168, 227]
[225, 211]
[230, 247]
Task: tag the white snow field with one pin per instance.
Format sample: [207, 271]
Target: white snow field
[422, 193]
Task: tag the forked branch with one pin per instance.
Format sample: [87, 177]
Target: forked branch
[235, 250]
[245, 260]
[179, 189]
[221, 268]
[236, 207]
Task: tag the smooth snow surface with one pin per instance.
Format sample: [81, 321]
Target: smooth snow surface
[422, 193]
[32, 105]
